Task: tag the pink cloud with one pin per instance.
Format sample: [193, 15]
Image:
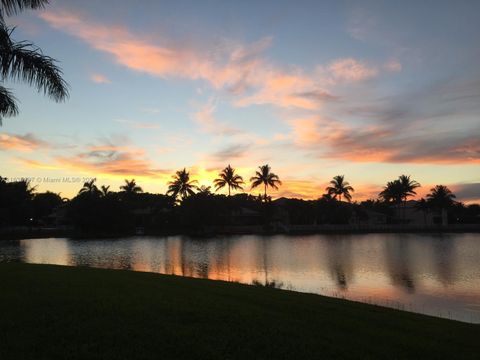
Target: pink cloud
[25, 143]
[111, 159]
[330, 138]
[351, 70]
[236, 68]
[100, 79]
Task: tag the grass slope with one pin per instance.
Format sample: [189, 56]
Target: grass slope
[53, 312]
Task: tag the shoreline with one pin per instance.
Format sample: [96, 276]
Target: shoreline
[212, 231]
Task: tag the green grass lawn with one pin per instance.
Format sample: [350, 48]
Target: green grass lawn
[54, 312]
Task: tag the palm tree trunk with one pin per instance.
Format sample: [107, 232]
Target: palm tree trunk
[265, 192]
[228, 190]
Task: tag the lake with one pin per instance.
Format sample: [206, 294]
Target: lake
[436, 274]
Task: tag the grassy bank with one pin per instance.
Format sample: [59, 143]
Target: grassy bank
[52, 312]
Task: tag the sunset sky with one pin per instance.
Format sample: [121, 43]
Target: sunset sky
[371, 90]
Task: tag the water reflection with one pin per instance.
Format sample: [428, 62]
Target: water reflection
[398, 256]
[435, 274]
[339, 260]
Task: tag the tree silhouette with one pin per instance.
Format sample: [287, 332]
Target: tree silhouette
[338, 187]
[204, 190]
[392, 192]
[181, 185]
[89, 187]
[265, 177]
[408, 189]
[441, 197]
[23, 61]
[227, 177]
[105, 190]
[131, 187]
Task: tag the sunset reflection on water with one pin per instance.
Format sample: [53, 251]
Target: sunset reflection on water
[432, 274]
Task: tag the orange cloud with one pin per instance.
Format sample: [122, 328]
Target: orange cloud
[112, 160]
[24, 143]
[37, 164]
[99, 79]
[329, 138]
[238, 69]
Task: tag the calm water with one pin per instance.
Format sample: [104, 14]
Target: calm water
[432, 274]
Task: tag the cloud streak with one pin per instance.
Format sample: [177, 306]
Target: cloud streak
[108, 158]
[240, 70]
[329, 138]
[24, 143]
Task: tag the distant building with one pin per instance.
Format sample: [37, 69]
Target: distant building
[245, 216]
[367, 217]
[411, 214]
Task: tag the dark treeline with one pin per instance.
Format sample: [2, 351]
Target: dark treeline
[189, 208]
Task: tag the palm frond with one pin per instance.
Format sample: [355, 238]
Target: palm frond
[12, 7]
[23, 61]
[8, 104]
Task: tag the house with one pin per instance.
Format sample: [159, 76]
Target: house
[367, 217]
[245, 216]
[409, 213]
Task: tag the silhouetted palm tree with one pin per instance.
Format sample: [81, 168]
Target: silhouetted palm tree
[24, 61]
[265, 177]
[392, 192]
[89, 187]
[228, 178]
[441, 197]
[408, 186]
[131, 187]
[408, 189]
[204, 190]
[105, 190]
[181, 185]
[338, 187]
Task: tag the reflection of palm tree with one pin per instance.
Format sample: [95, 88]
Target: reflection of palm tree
[338, 187]
[339, 255]
[265, 177]
[181, 184]
[398, 259]
[131, 187]
[89, 187]
[24, 61]
[228, 178]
